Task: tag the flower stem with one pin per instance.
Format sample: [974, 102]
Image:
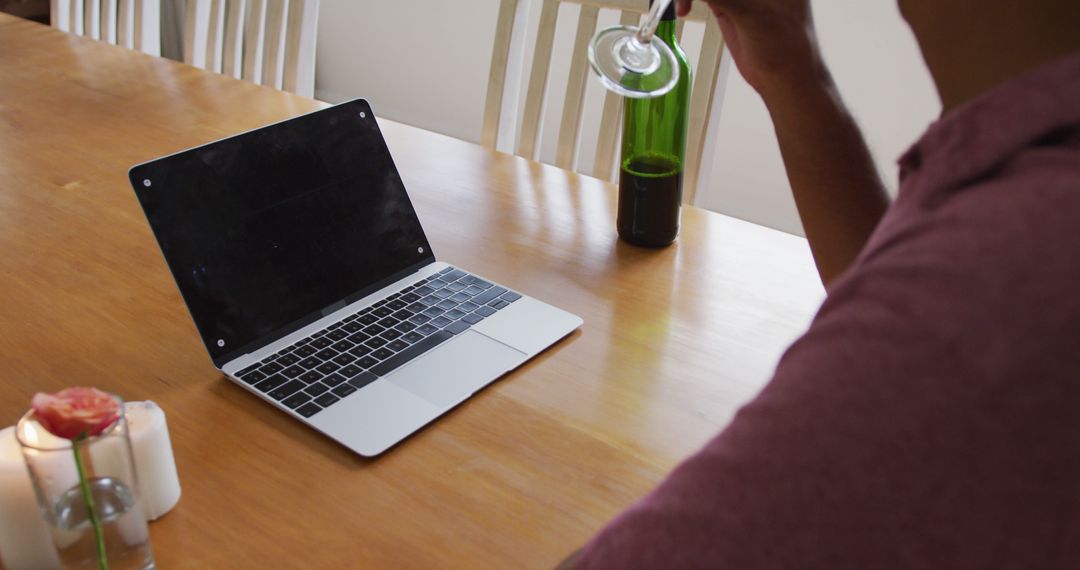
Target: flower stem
[99, 533]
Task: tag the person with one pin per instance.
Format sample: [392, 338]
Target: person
[930, 416]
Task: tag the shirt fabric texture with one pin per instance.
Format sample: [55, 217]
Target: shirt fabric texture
[930, 416]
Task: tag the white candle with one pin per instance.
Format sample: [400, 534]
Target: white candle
[25, 541]
[159, 485]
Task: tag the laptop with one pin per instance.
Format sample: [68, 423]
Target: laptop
[310, 279]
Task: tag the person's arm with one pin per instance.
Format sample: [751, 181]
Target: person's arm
[837, 189]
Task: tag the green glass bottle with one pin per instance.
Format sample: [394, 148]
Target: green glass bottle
[653, 155]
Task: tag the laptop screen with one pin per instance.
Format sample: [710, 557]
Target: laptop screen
[265, 230]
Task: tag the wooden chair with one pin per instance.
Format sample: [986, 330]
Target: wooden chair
[269, 42]
[134, 24]
[701, 100]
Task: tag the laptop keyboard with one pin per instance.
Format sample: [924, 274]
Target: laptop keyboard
[320, 370]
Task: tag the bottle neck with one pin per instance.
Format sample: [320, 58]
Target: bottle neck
[665, 30]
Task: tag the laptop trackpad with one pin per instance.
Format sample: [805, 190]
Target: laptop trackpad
[451, 372]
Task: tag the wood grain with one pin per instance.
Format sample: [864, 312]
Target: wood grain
[674, 341]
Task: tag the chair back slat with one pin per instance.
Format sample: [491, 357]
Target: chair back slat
[500, 56]
[274, 49]
[300, 48]
[233, 48]
[610, 122]
[570, 126]
[254, 41]
[108, 21]
[538, 79]
[701, 103]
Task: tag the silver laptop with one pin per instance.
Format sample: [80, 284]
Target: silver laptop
[313, 286]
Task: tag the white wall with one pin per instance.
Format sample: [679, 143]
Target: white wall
[877, 65]
[425, 63]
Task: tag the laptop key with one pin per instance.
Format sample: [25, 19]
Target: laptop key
[410, 297]
[391, 334]
[286, 390]
[420, 319]
[317, 389]
[456, 286]
[360, 351]
[343, 390]
[499, 303]
[442, 293]
[322, 342]
[374, 330]
[468, 307]
[433, 312]
[427, 329]
[412, 337]
[455, 275]
[510, 296]
[460, 297]
[376, 343]
[382, 353]
[488, 295]
[288, 360]
[324, 354]
[333, 380]
[389, 365]
[304, 351]
[251, 368]
[271, 383]
[310, 362]
[398, 345]
[272, 368]
[328, 367]
[429, 300]
[349, 371]
[293, 371]
[310, 376]
[440, 322]
[423, 291]
[457, 327]
[337, 335]
[446, 305]
[336, 325]
[296, 400]
[437, 284]
[416, 307]
[383, 312]
[485, 311]
[445, 271]
[358, 337]
[403, 314]
[253, 377]
[396, 305]
[342, 345]
[367, 362]
[472, 318]
[308, 410]
[327, 400]
[343, 359]
[353, 327]
[389, 321]
[363, 380]
[482, 284]
[367, 319]
[406, 327]
[454, 314]
[473, 290]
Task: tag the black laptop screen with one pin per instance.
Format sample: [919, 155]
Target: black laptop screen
[269, 228]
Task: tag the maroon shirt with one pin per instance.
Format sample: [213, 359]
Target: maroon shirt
[930, 417]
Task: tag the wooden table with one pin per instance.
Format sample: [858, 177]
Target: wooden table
[674, 341]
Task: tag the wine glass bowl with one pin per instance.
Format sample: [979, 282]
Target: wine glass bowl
[631, 62]
[632, 67]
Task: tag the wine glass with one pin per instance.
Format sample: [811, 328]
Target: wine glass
[629, 61]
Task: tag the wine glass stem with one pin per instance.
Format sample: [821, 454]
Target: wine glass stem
[648, 29]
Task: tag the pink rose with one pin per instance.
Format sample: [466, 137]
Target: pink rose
[76, 412]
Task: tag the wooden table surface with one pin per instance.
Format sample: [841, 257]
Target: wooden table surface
[674, 340]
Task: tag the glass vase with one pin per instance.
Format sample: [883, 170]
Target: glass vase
[112, 483]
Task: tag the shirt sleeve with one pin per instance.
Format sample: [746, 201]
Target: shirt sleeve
[927, 419]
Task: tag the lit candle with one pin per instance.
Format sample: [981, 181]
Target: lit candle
[25, 541]
[159, 485]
